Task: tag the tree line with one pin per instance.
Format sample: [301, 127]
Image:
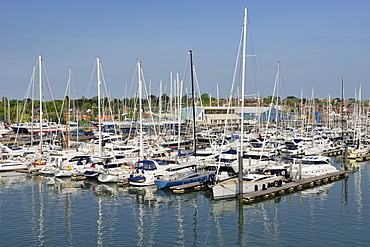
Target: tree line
[23, 110]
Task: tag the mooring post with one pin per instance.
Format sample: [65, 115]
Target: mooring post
[346, 156]
[240, 166]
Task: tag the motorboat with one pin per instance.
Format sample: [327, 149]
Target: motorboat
[10, 165]
[251, 182]
[147, 171]
[309, 166]
[113, 172]
[182, 178]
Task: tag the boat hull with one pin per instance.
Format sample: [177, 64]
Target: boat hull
[161, 184]
[230, 187]
[6, 166]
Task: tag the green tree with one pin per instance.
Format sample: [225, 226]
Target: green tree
[205, 99]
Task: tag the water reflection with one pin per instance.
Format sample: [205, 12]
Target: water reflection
[144, 195]
[10, 180]
[38, 210]
[357, 176]
[80, 213]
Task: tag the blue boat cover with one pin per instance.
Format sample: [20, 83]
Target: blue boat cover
[145, 165]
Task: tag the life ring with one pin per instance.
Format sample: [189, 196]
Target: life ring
[283, 173]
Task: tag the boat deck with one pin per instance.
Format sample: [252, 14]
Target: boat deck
[181, 188]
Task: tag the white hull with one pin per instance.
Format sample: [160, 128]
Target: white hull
[108, 178]
[112, 177]
[7, 166]
[313, 171]
[63, 173]
[230, 188]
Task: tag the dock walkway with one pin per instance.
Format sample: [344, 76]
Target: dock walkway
[181, 188]
[293, 186]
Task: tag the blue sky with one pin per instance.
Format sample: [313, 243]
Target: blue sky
[316, 42]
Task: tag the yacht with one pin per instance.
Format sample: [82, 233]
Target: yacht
[309, 166]
[251, 182]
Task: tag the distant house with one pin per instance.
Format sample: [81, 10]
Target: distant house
[254, 115]
[80, 114]
[212, 116]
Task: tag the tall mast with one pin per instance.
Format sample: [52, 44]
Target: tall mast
[32, 102]
[240, 160]
[179, 93]
[193, 96]
[341, 109]
[140, 109]
[99, 105]
[68, 106]
[41, 113]
[160, 107]
[171, 93]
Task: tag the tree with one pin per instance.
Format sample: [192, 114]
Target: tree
[291, 100]
[205, 99]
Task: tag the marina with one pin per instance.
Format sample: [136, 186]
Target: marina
[179, 167]
[50, 211]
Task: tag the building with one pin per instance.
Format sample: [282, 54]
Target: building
[212, 117]
[254, 115]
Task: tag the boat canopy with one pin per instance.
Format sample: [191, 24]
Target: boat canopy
[315, 160]
[184, 154]
[145, 165]
[112, 165]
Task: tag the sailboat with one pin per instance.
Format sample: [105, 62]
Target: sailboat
[244, 183]
[146, 171]
[187, 176]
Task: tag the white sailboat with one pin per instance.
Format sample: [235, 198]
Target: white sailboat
[245, 182]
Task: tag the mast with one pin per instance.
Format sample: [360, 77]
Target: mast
[344, 138]
[160, 107]
[302, 110]
[179, 93]
[193, 103]
[66, 110]
[140, 109]
[341, 109]
[170, 111]
[32, 103]
[218, 96]
[68, 107]
[99, 105]
[41, 113]
[240, 157]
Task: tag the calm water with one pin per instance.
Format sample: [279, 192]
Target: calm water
[37, 211]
